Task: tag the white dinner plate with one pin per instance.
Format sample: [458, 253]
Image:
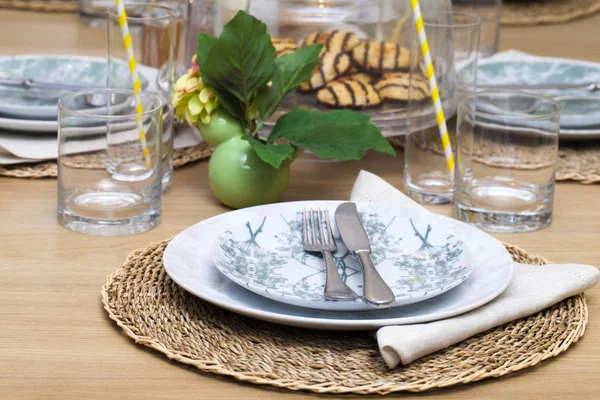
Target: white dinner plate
[28, 125]
[41, 104]
[417, 258]
[188, 262]
[580, 134]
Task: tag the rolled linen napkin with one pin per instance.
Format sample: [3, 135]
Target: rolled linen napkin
[532, 289]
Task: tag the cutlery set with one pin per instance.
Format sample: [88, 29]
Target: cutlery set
[376, 292]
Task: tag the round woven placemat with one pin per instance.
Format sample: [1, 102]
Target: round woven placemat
[155, 312]
[576, 161]
[181, 157]
[41, 5]
[533, 12]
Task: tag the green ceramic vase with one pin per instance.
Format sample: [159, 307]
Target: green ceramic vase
[221, 128]
[239, 178]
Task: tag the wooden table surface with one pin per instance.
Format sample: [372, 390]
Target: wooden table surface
[56, 341]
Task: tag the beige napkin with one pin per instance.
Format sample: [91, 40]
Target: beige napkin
[532, 289]
[22, 147]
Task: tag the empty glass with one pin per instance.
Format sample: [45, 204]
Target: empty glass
[489, 13]
[93, 12]
[109, 177]
[507, 148]
[453, 42]
[152, 30]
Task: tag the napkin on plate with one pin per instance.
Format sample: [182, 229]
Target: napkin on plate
[532, 289]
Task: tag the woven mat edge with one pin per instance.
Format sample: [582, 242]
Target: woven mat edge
[45, 6]
[584, 179]
[513, 20]
[211, 368]
[589, 11]
[48, 169]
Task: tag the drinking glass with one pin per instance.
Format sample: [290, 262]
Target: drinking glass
[489, 13]
[152, 30]
[453, 42]
[109, 179]
[507, 148]
[93, 12]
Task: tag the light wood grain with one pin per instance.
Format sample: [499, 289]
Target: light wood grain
[57, 343]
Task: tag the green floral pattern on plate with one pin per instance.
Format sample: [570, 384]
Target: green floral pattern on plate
[542, 70]
[72, 70]
[416, 259]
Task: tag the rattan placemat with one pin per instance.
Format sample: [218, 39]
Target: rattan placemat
[41, 5]
[155, 312]
[533, 12]
[181, 157]
[514, 12]
[577, 161]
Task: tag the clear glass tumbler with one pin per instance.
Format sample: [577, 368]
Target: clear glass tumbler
[93, 12]
[152, 30]
[453, 40]
[109, 178]
[489, 13]
[507, 148]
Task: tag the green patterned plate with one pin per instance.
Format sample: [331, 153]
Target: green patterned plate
[418, 258]
[41, 104]
[575, 113]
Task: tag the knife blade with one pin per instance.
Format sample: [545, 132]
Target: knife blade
[586, 86]
[31, 84]
[376, 292]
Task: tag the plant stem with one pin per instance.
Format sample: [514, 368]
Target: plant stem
[257, 127]
[252, 126]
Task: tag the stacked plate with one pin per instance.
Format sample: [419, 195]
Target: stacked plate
[580, 112]
[36, 109]
[28, 115]
[252, 262]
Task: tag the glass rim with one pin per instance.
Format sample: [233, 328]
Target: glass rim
[464, 102]
[475, 20]
[84, 92]
[112, 12]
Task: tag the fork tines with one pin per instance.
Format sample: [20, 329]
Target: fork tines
[319, 234]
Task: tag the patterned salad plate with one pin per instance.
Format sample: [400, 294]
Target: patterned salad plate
[419, 258]
[41, 104]
[580, 116]
[188, 261]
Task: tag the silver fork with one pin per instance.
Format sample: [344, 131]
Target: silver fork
[335, 288]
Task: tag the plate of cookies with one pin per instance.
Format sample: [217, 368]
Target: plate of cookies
[369, 76]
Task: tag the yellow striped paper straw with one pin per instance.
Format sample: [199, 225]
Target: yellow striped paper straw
[435, 93]
[137, 85]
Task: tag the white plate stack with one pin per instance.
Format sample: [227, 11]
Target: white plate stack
[251, 261]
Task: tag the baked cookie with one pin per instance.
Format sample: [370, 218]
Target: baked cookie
[379, 57]
[331, 65]
[283, 46]
[349, 94]
[334, 40]
[395, 87]
[359, 77]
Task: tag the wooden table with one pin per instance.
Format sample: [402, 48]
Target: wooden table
[57, 343]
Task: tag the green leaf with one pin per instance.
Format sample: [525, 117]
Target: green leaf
[231, 104]
[205, 43]
[291, 70]
[271, 153]
[341, 134]
[242, 59]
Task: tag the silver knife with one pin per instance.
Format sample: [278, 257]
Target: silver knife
[585, 86]
[375, 291]
[31, 84]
